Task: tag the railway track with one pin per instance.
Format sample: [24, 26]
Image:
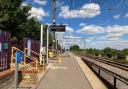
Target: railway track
[111, 66]
[112, 63]
[116, 75]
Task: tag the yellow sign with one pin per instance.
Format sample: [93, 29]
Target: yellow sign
[51, 55]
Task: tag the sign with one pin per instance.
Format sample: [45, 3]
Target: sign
[58, 28]
[19, 57]
[5, 45]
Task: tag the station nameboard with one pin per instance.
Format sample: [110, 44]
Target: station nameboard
[58, 28]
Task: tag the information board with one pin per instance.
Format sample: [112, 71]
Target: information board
[58, 28]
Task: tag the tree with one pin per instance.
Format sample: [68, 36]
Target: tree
[121, 55]
[125, 51]
[75, 47]
[107, 52]
[15, 18]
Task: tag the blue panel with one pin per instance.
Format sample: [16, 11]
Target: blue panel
[19, 56]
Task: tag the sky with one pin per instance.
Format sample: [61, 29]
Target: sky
[90, 23]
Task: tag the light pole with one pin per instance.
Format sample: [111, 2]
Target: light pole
[85, 46]
[47, 44]
[54, 21]
[41, 43]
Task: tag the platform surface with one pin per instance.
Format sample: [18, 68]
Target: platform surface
[66, 75]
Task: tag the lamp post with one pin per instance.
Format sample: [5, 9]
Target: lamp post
[47, 44]
[85, 46]
[41, 43]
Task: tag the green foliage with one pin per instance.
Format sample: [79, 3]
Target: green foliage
[109, 53]
[15, 19]
[75, 47]
[121, 55]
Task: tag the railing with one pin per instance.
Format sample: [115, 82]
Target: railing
[43, 58]
[101, 72]
[25, 56]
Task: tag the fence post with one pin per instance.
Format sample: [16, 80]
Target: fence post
[114, 82]
[16, 71]
[36, 64]
[25, 56]
[11, 57]
[99, 71]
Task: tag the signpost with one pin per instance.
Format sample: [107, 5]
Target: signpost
[18, 58]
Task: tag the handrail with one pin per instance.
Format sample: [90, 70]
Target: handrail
[33, 52]
[111, 73]
[25, 49]
[12, 56]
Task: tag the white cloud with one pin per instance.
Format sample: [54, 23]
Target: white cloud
[117, 29]
[41, 2]
[38, 12]
[59, 35]
[126, 15]
[116, 32]
[82, 24]
[69, 29]
[59, 3]
[116, 16]
[87, 11]
[72, 37]
[91, 29]
[24, 4]
[118, 35]
[111, 37]
[71, 40]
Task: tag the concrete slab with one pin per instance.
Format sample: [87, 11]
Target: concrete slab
[95, 82]
[66, 75]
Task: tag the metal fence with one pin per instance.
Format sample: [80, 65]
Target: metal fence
[5, 48]
[113, 80]
[5, 45]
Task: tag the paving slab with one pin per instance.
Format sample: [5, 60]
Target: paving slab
[92, 78]
[66, 75]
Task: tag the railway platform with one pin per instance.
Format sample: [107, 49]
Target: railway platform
[71, 73]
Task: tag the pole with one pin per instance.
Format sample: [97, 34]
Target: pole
[56, 44]
[47, 44]
[54, 20]
[16, 72]
[41, 43]
[85, 46]
[56, 41]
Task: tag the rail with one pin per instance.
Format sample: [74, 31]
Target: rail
[111, 73]
[112, 63]
[25, 50]
[25, 56]
[124, 66]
